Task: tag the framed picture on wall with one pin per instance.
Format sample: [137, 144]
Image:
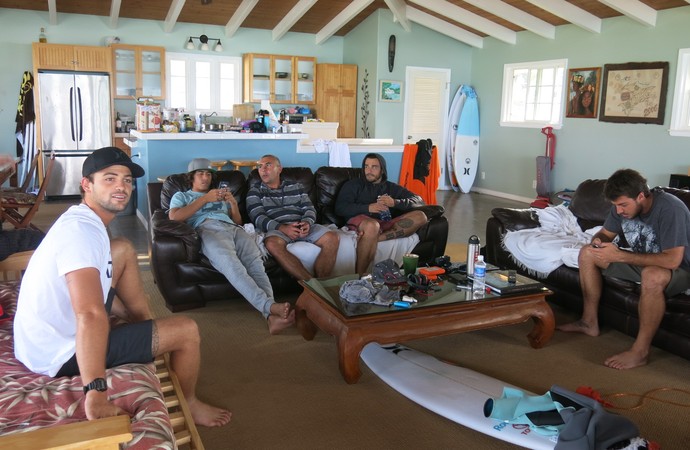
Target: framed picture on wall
[390, 91]
[634, 92]
[583, 92]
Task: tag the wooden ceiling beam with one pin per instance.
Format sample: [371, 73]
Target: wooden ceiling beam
[397, 7]
[346, 15]
[295, 14]
[240, 15]
[173, 13]
[470, 19]
[52, 12]
[571, 13]
[114, 12]
[634, 9]
[516, 16]
[443, 27]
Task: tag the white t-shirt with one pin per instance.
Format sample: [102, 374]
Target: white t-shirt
[45, 326]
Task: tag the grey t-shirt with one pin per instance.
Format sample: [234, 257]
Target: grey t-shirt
[666, 225]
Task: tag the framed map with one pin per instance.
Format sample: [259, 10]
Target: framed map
[634, 93]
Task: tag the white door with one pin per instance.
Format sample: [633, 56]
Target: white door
[426, 110]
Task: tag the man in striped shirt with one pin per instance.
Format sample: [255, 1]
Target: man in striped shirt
[285, 214]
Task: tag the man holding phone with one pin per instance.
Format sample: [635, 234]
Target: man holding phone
[232, 251]
[656, 227]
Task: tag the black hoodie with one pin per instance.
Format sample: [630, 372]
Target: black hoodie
[355, 196]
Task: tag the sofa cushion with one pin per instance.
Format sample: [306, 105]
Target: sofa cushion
[588, 203]
[328, 182]
[514, 219]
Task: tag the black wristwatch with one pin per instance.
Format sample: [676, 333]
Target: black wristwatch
[98, 384]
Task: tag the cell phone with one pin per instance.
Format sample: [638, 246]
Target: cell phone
[223, 185]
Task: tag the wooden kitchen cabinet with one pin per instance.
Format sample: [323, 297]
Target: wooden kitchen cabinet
[138, 71]
[279, 78]
[336, 96]
[71, 57]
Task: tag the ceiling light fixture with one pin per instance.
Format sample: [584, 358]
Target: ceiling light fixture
[204, 43]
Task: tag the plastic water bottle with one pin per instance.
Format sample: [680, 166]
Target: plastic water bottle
[479, 278]
[472, 254]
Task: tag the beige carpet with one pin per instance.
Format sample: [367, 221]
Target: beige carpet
[287, 393]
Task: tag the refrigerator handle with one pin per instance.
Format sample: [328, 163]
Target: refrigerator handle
[81, 117]
[71, 112]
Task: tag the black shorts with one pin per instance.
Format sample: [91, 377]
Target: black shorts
[129, 343]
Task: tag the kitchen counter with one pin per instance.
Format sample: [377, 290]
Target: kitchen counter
[162, 154]
[217, 135]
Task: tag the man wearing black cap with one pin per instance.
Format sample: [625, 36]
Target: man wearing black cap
[369, 205]
[61, 327]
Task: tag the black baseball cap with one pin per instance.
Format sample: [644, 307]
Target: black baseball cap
[109, 156]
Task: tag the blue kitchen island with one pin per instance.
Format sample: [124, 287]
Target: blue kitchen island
[162, 154]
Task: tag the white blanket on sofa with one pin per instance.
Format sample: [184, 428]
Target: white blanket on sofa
[347, 251]
[555, 242]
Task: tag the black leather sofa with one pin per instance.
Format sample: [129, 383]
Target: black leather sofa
[619, 302]
[187, 280]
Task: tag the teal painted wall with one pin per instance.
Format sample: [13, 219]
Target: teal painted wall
[585, 148]
[358, 49]
[421, 47]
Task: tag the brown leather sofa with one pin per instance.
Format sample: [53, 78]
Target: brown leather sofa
[619, 302]
[185, 277]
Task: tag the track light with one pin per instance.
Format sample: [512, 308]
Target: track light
[203, 43]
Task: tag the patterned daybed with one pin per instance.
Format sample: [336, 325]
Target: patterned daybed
[31, 402]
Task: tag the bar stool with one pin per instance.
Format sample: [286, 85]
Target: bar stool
[218, 165]
[239, 163]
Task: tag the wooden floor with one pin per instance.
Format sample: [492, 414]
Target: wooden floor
[466, 213]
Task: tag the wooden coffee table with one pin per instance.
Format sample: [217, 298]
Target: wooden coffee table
[445, 312]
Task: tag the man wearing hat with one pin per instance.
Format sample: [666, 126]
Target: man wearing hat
[232, 251]
[77, 277]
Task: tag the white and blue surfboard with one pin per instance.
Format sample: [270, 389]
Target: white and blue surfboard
[467, 141]
[453, 116]
[451, 391]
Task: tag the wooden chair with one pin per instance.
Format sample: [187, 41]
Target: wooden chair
[14, 202]
[27, 181]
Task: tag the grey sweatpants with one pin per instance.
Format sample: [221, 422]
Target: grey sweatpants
[234, 253]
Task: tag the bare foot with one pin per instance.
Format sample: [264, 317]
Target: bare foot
[281, 310]
[627, 360]
[207, 415]
[276, 324]
[580, 326]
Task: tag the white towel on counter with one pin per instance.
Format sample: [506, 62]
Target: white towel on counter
[338, 152]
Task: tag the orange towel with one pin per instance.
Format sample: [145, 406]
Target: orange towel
[426, 190]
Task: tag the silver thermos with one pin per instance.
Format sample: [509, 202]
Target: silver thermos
[472, 253]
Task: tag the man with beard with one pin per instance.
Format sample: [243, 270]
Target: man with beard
[656, 227]
[77, 277]
[377, 209]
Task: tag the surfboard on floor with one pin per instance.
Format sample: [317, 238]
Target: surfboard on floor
[449, 390]
[466, 156]
[453, 116]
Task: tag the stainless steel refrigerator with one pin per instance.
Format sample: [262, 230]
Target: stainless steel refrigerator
[75, 121]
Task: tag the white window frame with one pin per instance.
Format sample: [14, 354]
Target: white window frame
[680, 112]
[557, 101]
[215, 60]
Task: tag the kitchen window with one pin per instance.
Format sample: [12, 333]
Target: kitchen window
[202, 84]
[533, 94]
[680, 114]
